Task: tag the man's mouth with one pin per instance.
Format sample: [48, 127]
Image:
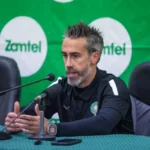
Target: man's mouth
[72, 74]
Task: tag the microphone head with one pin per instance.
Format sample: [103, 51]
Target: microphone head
[50, 77]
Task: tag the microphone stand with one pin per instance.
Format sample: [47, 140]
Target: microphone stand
[42, 135]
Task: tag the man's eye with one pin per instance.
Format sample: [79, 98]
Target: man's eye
[76, 56]
[64, 55]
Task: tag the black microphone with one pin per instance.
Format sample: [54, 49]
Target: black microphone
[50, 77]
[5, 135]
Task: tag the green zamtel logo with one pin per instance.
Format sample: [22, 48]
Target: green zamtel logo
[23, 47]
[112, 49]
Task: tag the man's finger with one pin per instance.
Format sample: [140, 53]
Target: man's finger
[28, 131]
[37, 110]
[17, 107]
[9, 129]
[11, 115]
[29, 117]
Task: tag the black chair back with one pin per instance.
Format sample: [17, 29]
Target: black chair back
[9, 77]
[139, 88]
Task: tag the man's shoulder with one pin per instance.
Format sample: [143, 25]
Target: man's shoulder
[105, 76]
[108, 77]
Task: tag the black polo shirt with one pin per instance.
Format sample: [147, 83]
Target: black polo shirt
[103, 107]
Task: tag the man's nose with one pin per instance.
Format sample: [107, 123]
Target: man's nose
[68, 62]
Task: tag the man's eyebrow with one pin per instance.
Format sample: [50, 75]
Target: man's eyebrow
[76, 52]
[71, 53]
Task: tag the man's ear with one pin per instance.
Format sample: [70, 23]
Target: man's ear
[95, 57]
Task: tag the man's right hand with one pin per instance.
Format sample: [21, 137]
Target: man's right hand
[13, 127]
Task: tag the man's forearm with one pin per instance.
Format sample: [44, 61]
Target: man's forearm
[103, 123]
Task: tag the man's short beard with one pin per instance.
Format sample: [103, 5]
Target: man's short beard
[81, 78]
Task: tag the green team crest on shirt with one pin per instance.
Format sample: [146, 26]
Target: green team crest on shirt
[94, 108]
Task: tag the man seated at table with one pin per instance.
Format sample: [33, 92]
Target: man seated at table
[90, 102]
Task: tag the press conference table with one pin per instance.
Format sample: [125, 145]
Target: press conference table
[20, 141]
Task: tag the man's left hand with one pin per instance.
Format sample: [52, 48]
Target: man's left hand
[31, 124]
